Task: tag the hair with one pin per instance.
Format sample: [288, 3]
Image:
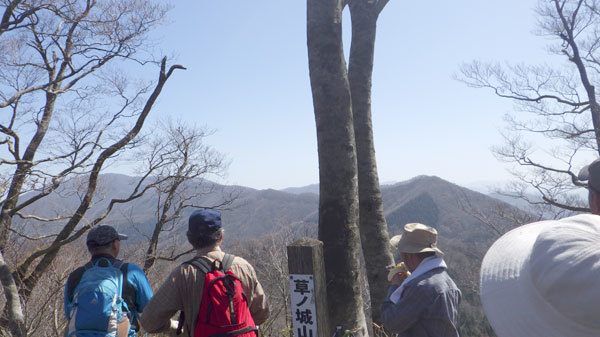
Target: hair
[591, 188]
[94, 248]
[594, 200]
[424, 255]
[201, 239]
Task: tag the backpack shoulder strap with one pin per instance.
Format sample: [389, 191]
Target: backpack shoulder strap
[227, 261]
[119, 264]
[129, 297]
[128, 290]
[74, 280]
[123, 267]
[206, 267]
[201, 263]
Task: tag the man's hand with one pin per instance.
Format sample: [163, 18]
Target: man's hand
[398, 274]
[398, 278]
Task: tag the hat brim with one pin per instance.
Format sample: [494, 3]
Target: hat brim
[404, 247]
[394, 240]
[510, 301]
[584, 173]
[123, 236]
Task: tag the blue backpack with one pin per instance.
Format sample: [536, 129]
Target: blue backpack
[98, 300]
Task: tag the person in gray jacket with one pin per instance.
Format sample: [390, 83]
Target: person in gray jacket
[424, 303]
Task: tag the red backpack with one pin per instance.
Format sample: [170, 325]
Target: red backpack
[224, 306]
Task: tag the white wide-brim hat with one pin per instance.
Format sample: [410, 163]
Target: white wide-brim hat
[543, 279]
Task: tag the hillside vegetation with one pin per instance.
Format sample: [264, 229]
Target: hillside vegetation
[254, 224]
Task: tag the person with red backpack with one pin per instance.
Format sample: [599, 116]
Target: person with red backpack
[216, 293]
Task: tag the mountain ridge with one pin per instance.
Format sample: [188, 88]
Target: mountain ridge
[465, 219]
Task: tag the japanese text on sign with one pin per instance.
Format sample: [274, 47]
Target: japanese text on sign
[304, 313]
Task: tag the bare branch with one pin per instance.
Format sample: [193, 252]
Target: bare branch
[174, 257]
[30, 238]
[38, 218]
[15, 14]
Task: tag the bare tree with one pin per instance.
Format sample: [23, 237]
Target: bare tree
[373, 227]
[183, 161]
[348, 148]
[44, 256]
[557, 128]
[500, 218]
[44, 314]
[18, 12]
[338, 195]
[78, 118]
[268, 256]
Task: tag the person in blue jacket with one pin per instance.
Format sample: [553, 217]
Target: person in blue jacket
[103, 243]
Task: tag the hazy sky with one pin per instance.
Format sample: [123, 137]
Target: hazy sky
[247, 78]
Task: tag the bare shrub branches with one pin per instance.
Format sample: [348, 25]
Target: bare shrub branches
[556, 128]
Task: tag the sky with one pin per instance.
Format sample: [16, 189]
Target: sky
[247, 79]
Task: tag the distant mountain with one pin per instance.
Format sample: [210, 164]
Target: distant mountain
[314, 188]
[490, 189]
[259, 212]
[517, 202]
[455, 211]
[467, 221]
[252, 213]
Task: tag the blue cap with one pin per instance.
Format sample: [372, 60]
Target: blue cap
[204, 219]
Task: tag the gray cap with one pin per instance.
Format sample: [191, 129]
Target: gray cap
[591, 173]
[104, 234]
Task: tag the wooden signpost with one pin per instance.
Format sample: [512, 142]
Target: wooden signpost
[308, 293]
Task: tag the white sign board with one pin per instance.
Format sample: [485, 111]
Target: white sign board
[304, 313]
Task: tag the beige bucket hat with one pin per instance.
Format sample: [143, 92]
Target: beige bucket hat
[416, 238]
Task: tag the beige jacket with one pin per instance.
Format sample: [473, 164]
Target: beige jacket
[182, 290]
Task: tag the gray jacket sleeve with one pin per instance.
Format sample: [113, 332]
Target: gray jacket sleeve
[403, 315]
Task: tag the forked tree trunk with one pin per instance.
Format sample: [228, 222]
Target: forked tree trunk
[373, 227]
[338, 202]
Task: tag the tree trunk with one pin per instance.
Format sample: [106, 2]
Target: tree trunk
[14, 311]
[150, 257]
[373, 227]
[22, 170]
[338, 202]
